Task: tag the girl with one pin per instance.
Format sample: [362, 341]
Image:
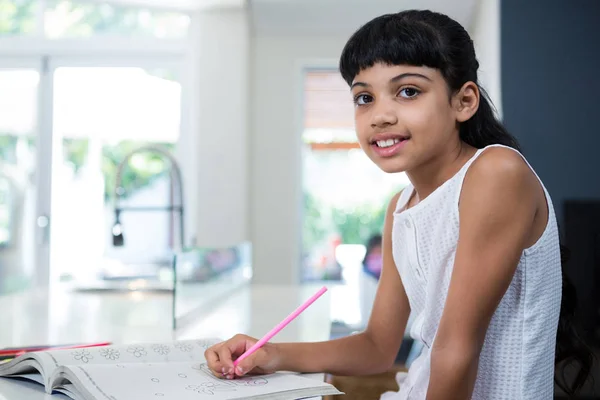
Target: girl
[470, 247]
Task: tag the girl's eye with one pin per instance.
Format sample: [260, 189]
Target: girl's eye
[362, 99]
[409, 92]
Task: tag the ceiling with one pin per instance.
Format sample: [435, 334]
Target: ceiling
[180, 5]
[315, 17]
[341, 17]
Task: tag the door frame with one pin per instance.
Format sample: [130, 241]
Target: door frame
[43, 162]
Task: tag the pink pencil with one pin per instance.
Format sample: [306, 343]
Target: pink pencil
[280, 326]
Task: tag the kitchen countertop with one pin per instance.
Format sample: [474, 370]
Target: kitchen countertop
[59, 316]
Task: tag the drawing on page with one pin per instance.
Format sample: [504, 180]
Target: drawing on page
[110, 353]
[161, 349]
[82, 355]
[184, 347]
[210, 388]
[250, 381]
[159, 394]
[245, 381]
[137, 351]
[205, 344]
[182, 375]
[155, 380]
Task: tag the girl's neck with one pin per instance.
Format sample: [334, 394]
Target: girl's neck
[427, 177]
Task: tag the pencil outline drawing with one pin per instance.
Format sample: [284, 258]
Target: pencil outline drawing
[244, 381]
[184, 347]
[82, 355]
[161, 349]
[205, 344]
[137, 351]
[110, 353]
[210, 388]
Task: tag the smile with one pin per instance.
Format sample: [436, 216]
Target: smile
[388, 142]
[388, 145]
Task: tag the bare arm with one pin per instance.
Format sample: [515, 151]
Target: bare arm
[498, 205]
[368, 352]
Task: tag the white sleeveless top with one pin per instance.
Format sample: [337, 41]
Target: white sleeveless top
[517, 359]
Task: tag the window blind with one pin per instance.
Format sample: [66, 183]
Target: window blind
[327, 101]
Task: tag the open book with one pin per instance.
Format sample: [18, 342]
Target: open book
[161, 371]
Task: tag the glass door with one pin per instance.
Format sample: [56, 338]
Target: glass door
[116, 194]
[23, 176]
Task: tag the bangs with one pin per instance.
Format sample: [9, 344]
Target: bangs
[391, 40]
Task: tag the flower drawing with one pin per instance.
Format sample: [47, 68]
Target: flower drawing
[161, 349]
[205, 344]
[110, 354]
[82, 355]
[210, 388]
[137, 351]
[183, 346]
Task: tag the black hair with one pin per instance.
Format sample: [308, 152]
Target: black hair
[426, 38]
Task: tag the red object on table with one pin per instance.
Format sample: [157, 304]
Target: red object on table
[15, 352]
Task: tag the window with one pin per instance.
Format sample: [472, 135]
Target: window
[18, 17]
[345, 194]
[328, 111]
[56, 19]
[98, 130]
[73, 19]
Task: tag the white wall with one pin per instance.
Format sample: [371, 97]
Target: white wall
[275, 160]
[217, 194]
[485, 33]
[276, 122]
[253, 170]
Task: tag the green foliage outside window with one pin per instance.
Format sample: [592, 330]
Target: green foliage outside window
[68, 18]
[141, 171]
[354, 225]
[18, 17]
[143, 168]
[357, 225]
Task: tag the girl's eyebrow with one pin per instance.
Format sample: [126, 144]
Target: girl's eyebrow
[395, 79]
[408, 75]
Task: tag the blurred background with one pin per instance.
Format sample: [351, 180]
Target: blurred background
[134, 129]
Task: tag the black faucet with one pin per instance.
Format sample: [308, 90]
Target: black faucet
[175, 173]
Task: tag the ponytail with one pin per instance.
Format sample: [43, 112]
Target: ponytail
[483, 128]
[572, 352]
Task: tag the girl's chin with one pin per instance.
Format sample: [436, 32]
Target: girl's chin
[391, 166]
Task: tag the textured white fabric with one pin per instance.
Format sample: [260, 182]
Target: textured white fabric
[517, 359]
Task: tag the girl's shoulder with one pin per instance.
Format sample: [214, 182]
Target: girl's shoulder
[500, 163]
[503, 176]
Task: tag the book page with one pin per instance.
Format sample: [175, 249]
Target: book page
[186, 381]
[37, 367]
[178, 351]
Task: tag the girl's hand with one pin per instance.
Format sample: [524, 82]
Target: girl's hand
[220, 358]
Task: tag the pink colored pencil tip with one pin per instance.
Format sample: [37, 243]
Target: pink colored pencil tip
[280, 326]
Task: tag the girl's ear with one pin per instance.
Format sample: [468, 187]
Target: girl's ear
[466, 101]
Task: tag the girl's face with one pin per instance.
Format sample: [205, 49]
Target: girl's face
[404, 115]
